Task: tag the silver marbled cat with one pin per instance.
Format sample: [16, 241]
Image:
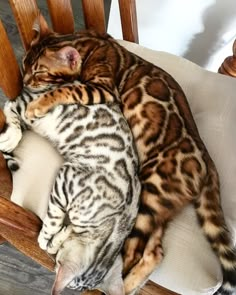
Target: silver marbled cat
[97, 189]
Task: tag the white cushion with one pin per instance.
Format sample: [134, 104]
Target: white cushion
[32, 183]
[189, 267]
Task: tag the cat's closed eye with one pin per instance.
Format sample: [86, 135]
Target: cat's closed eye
[39, 72]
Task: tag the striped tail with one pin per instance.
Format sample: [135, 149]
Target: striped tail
[212, 221]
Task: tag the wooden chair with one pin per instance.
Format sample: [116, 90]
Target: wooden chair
[228, 66]
[18, 226]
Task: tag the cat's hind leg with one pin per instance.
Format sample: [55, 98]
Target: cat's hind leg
[143, 249]
[152, 256]
[56, 213]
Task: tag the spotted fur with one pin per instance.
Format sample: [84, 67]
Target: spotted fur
[176, 168]
[94, 200]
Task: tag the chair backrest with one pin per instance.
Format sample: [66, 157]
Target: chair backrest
[228, 67]
[61, 14]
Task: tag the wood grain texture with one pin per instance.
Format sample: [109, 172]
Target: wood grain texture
[128, 17]
[20, 228]
[61, 16]
[151, 288]
[228, 67]
[2, 240]
[94, 15]
[10, 77]
[5, 179]
[20, 275]
[26, 245]
[2, 120]
[19, 219]
[25, 12]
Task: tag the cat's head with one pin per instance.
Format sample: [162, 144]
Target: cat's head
[48, 60]
[74, 260]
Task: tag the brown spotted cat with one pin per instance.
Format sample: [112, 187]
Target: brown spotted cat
[176, 168]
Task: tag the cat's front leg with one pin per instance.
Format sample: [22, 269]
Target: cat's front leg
[12, 133]
[58, 239]
[79, 93]
[52, 224]
[38, 107]
[54, 220]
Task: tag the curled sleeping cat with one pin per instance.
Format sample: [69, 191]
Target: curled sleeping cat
[94, 200]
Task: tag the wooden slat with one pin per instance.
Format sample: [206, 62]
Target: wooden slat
[20, 228]
[25, 12]
[2, 120]
[228, 67]
[61, 15]
[18, 218]
[94, 15]
[28, 246]
[128, 17]
[2, 240]
[151, 288]
[5, 179]
[10, 76]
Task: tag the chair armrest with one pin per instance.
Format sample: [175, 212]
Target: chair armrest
[20, 228]
[18, 218]
[151, 288]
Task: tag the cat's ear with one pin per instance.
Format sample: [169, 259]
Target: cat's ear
[70, 56]
[40, 29]
[63, 277]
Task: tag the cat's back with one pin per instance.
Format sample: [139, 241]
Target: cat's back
[97, 141]
[98, 130]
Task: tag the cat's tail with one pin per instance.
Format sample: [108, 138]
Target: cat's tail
[211, 218]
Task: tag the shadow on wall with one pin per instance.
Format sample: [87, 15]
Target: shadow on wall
[219, 24]
[196, 29]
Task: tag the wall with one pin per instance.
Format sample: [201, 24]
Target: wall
[199, 30]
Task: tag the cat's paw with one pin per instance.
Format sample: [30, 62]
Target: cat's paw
[35, 110]
[58, 239]
[53, 246]
[43, 243]
[73, 284]
[10, 138]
